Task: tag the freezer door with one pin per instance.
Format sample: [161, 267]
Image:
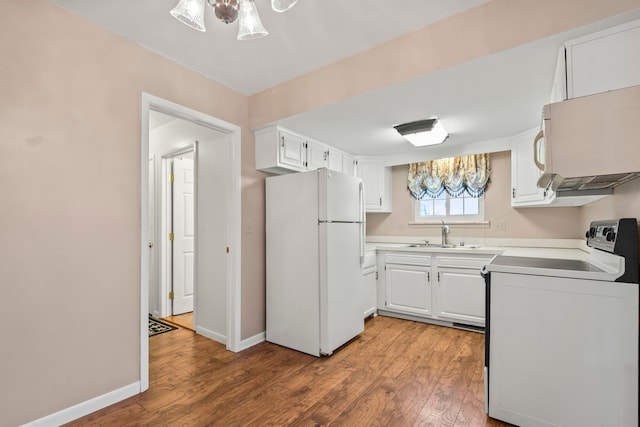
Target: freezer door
[339, 197]
[341, 285]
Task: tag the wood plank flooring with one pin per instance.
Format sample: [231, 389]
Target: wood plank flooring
[396, 373]
[185, 320]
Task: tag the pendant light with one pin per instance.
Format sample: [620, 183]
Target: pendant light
[282, 5]
[191, 13]
[250, 26]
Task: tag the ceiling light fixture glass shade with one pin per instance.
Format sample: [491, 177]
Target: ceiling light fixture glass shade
[423, 132]
[225, 10]
[282, 5]
[191, 13]
[250, 25]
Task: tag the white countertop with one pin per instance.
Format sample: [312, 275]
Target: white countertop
[575, 249]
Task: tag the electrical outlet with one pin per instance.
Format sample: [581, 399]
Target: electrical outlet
[501, 226]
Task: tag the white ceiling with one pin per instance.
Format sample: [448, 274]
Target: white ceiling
[493, 97]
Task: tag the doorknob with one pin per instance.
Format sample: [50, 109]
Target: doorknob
[150, 244]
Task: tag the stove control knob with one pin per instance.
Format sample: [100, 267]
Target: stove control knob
[591, 233]
[611, 236]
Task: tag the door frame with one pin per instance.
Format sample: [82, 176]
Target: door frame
[233, 218]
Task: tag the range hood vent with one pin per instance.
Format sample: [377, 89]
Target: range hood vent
[597, 184]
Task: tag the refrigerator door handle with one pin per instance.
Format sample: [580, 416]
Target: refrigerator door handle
[362, 220]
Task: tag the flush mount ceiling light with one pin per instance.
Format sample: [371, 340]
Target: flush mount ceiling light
[191, 13]
[423, 132]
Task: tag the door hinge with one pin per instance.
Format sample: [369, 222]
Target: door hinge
[513, 193]
[172, 177]
[376, 275]
[171, 295]
[171, 236]
[380, 201]
[428, 276]
[438, 276]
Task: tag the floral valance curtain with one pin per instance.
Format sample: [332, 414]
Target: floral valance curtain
[454, 175]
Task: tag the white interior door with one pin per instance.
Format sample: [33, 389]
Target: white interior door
[183, 231]
[212, 171]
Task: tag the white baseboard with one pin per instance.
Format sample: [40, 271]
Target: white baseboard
[222, 339]
[85, 408]
[251, 341]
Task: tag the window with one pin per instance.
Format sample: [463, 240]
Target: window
[460, 208]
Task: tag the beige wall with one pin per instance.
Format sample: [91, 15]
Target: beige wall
[625, 203]
[518, 223]
[70, 212]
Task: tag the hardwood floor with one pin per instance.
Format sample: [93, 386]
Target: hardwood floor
[396, 373]
[185, 320]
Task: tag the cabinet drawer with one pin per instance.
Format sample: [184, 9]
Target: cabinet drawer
[408, 259]
[471, 262]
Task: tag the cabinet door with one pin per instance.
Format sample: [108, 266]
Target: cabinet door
[461, 294]
[524, 172]
[316, 155]
[348, 164]
[371, 172]
[408, 289]
[370, 291]
[334, 160]
[604, 61]
[292, 150]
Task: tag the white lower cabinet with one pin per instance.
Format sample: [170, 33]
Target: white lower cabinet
[370, 279]
[444, 287]
[408, 284]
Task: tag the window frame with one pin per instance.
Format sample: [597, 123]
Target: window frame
[476, 218]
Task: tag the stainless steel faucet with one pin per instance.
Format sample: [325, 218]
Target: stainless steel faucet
[445, 231]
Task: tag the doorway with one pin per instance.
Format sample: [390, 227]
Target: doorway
[216, 259]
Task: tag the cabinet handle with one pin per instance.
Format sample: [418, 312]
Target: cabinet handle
[438, 276]
[282, 139]
[537, 161]
[428, 276]
[380, 201]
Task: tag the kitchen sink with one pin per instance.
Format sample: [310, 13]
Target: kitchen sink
[439, 246]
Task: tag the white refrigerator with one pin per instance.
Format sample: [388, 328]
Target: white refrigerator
[315, 231]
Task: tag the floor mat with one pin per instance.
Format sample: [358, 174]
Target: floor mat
[158, 327]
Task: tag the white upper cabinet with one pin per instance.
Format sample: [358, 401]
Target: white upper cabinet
[292, 150]
[524, 172]
[377, 183]
[348, 164]
[603, 61]
[316, 155]
[340, 161]
[279, 150]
